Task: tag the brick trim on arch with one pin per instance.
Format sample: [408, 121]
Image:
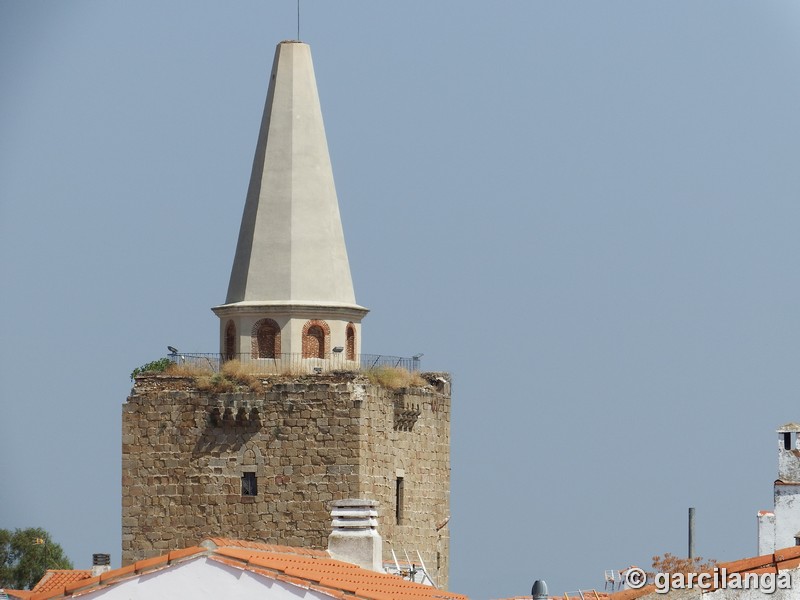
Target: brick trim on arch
[316, 339]
[265, 339]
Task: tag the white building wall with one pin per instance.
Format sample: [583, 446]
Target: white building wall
[766, 533]
[787, 514]
[777, 529]
[788, 456]
[204, 579]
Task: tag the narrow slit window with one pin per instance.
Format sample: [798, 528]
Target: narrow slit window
[249, 487]
[398, 496]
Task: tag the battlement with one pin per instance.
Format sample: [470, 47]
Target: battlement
[262, 461]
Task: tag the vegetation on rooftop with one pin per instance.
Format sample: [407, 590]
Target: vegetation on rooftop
[234, 376]
[395, 377]
[238, 376]
[155, 366]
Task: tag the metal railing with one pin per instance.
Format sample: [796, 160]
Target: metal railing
[295, 363]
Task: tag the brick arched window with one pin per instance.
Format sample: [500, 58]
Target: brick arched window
[266, 339]
[230, 341]
[316, 339]
[350, 342]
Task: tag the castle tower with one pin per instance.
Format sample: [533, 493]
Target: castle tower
[264, 454]
[290, 291]
[778, 528]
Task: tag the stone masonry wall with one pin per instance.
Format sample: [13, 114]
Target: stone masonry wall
[407, 435]
[309, 439]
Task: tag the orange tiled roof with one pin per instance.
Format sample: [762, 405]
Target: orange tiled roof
[310, 569]
[56, 578]
[229, 543]
[785, 558]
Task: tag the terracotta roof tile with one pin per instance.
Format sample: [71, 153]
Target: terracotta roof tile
[316, 570]
[374, 594]
[787, 553]
[792, 563]
[76, 585]
[148, 564]
[783, 558]
[231, 543]
[117, 573]
[747, 564]
[178, 554]
[55, 592]
[328, 591]
[309, 569]
[57, 578]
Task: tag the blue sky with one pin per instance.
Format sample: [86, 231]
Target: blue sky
[586, 211]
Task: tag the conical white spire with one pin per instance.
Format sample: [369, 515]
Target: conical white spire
[291, 261]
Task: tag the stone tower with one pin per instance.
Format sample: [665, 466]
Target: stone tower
[290, 292]
[779, 527]
[262, 453]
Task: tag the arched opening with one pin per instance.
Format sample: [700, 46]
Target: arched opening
[316, 335]
[350, 342]
[230, 341]
[266, 339]
[314, 343]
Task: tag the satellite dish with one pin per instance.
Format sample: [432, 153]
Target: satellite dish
[172, 349]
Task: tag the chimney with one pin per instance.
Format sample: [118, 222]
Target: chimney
[355, 537]
[101, 563]
[539, 590]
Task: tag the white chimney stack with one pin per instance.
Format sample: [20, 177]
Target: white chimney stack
[355, 537]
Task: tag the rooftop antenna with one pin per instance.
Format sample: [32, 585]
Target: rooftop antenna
[298, 20]
[425, 570]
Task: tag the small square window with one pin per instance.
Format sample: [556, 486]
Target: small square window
[249, 487]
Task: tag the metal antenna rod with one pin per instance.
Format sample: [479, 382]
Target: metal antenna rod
[298, 20]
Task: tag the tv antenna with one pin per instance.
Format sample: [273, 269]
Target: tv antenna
[411, 570]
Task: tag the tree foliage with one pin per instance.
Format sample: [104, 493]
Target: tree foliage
[25, 555]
